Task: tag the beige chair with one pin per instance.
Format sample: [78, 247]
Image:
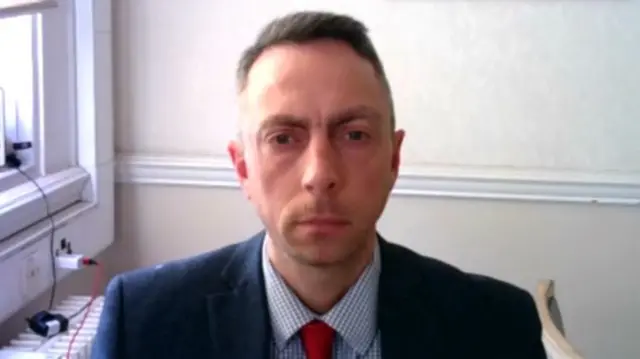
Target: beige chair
[553, 335]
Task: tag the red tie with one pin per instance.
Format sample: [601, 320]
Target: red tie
[317, 339]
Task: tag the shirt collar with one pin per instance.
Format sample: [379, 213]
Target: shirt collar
[353, 317]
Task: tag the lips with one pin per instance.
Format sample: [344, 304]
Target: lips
[325, 226]
[324, 221]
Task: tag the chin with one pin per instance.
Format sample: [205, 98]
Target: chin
[322, 260]
[326, 252]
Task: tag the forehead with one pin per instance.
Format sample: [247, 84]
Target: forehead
[312, 81]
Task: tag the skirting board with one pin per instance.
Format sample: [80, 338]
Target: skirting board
[216, 172]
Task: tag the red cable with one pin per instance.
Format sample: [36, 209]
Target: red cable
[97, 279]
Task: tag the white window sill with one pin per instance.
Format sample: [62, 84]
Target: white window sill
[10, 178]
[87, 223]
[18, 206]
[80, 198]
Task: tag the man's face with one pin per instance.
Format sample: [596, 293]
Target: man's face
[318, 155]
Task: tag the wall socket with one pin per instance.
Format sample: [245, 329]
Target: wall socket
[35, 276]
[64, 247]
[32, 274]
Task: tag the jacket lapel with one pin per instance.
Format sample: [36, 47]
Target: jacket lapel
[238, 317]
[408, 315]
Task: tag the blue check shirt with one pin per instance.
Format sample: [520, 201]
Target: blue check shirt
[353, 317]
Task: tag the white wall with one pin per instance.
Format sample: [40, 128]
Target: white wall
[520, 88]
[535, 85]
[467, 77]
[527, 69]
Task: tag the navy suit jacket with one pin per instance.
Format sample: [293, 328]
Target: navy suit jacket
[214, 306]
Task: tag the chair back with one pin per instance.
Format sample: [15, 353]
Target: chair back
[554, 338]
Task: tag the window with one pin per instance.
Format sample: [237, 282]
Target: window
[36, 86]
[18, 41]
[56, 118]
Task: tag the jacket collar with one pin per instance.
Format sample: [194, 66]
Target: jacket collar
[409, 315]
[407, 309]
[238, 316]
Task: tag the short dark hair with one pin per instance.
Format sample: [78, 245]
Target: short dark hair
[308, 26]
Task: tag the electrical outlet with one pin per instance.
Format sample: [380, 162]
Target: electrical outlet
[64, 247]
[32, 274]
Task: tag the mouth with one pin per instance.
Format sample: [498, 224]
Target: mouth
[323, 224]
[324, 220]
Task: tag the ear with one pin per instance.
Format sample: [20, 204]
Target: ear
[398, 138]
[236, 153]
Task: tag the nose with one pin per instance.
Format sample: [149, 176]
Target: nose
[321, 167]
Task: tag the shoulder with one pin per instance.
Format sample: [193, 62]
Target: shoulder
[448, 277]
[474, 297]
[191, 277]
[165, 301]
[489, 313]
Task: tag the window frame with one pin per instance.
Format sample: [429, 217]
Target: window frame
[53, 137]
[80, 185]
[54, 123]
[10, 178]
[20, 7]
[2, 143]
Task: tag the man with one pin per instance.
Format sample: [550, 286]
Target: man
[317, 154]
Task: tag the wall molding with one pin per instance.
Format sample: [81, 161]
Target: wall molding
[210, 171]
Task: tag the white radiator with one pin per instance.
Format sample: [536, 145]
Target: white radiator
[30, 345]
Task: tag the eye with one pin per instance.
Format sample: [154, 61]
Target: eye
[282, 139]
[356, 135]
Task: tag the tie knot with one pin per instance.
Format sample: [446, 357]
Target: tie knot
[317, 338]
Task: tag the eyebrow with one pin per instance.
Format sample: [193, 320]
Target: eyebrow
[354, 113]
[340, 118]
[282, 120]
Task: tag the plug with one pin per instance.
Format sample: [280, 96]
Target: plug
[12, 160]
[48, 324]
[73, 261]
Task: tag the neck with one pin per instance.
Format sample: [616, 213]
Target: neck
[321, 287]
